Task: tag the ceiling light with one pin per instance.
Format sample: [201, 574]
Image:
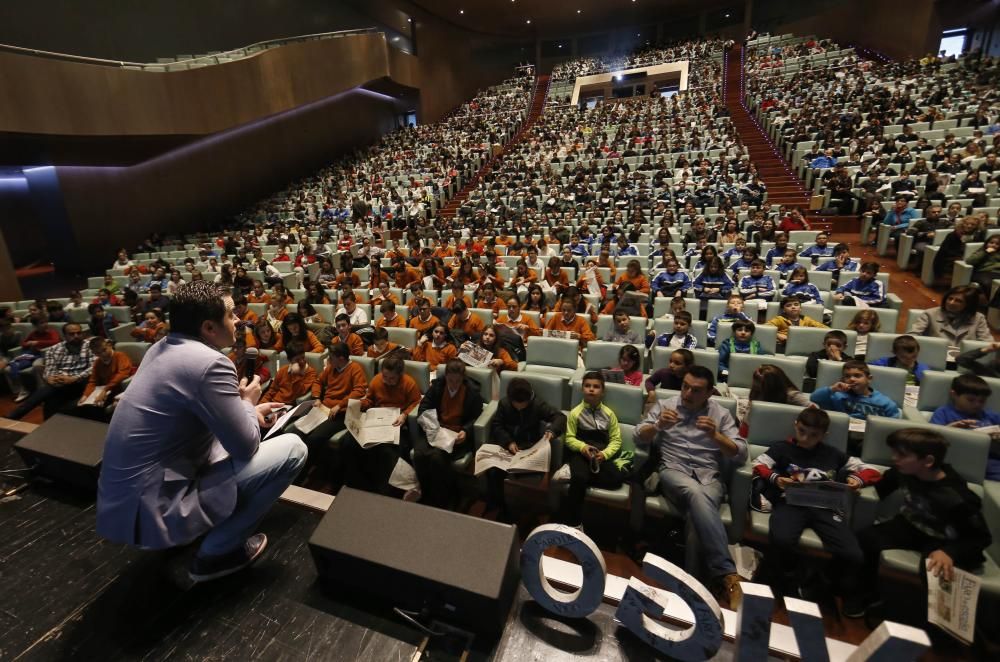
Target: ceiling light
[461, 11]
[409, 20]
[528, 21]
[727, 15]
[579, 11]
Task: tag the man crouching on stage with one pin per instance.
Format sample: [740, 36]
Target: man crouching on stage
[184, 457]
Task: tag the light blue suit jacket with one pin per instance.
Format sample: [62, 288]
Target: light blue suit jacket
[168, 470]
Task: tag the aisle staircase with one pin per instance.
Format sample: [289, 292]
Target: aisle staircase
[783, 186]
[537, 106]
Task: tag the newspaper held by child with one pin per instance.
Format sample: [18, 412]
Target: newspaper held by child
[530, 460]
[372, 427]
[951, 605]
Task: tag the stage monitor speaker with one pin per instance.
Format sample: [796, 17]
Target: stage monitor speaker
[66, 449]
[462, 570]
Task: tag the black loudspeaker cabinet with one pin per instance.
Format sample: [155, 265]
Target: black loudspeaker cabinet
[463, 570]
[66, 449]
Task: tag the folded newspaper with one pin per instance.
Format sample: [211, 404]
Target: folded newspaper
[825, 494]
[94, 396]
[314, 418]
[437, 436]
[534, 459]
[372, 427]
[474, 355]
[951, 605]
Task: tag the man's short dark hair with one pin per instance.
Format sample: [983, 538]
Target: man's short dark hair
[195, 303]
[836, 334]
[342, 317]
[340, 350]
[683, 315]
[920, 442]
[701, 372]
[743, 325]
[393, 364]
[970, 384]
[519, 390]
[97, 344]
[454, 366]
[295, 349]
[814, 417]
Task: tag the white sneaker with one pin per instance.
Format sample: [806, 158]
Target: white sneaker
[22, 395]
[562, 474]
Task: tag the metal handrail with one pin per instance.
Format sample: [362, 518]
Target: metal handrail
[242, 51]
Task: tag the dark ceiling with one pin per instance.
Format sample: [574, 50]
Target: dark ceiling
[565, 17]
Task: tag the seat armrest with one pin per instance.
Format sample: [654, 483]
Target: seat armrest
[913, 414]
[739, 499]
[961, 273]
[481, 427]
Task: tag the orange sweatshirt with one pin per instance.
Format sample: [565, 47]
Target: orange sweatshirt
[355, 345]
[434, 356]
[336, 388]
[312, 343]
[422, 326]
[287, 388]
[405, 395]
[578, 325]
[471, 327]
[110, 375]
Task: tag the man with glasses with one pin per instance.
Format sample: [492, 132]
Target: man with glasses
[67, 368]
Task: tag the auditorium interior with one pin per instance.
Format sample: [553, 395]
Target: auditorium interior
[543, 231]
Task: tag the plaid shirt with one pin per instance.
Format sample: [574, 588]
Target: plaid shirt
[60, 361]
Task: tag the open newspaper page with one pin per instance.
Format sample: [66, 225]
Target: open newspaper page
[532, 460]
[313, 419]
[556, 333]
[473, 355]
[373, 426]
[593, 287]
[289, 415]
[951, 605]
[403, 476]
[94, 396]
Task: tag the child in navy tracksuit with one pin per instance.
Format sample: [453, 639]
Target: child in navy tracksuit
[741, 342]
[799, 287]
[778, 251]
[749, 255]
[757, 285]
[787, 263]
[680, 337]
[819, 249]
[713, 282]
[866, 287]
[671, 282]
[805, 458]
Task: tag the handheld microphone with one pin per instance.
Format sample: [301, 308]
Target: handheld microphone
[250, 362]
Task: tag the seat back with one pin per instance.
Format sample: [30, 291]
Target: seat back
[842, 316]
[318, 361]
[133, 350]
[889, 381]
[554, 352]
[121, 313]
[369, 366]
[402, 336]
[742, 367]
[803, 340]
[967, 450]
[770, 422]
[933, 351]
[549, 388]
[601, 354]
[765, 334]
[626, 401]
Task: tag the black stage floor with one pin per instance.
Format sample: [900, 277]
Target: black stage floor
[65, 593]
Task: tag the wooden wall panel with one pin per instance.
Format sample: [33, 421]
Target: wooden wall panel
[56, 97]
[203, 183]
